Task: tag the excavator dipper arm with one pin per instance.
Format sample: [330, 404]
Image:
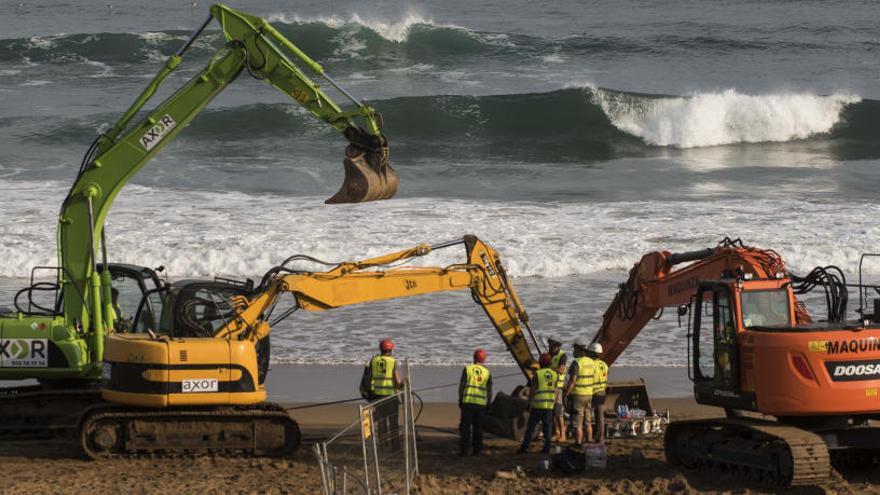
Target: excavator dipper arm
[654, 284]
[358, 282]
[117, 155]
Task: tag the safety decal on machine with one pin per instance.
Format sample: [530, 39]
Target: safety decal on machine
[24, 353]
[200, 385]
[157, 131]
[817, 345]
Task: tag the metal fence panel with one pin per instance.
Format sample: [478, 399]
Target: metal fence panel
[377, 453]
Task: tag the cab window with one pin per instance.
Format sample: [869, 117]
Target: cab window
[765, 308]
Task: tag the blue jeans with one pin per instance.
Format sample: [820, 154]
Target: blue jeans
[545, 416]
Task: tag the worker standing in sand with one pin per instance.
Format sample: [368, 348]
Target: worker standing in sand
[600, 383]
[543, 391]
[580, 391]
[474, 392]
[558, 364]
[380, 380]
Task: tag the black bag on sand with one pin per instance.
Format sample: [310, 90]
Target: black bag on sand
[569, 461]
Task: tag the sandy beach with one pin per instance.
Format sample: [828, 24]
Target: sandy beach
[55, 466]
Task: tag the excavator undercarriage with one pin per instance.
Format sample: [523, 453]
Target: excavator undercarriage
[263, 429]
[765, 451]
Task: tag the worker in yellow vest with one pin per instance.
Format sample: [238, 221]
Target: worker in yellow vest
[379, 381]
[543, 391]
[474, 394]
[559, 360]
[600, 383]
[580, 391]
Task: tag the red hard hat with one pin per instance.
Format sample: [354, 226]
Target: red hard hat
[386, 345]
[479, 356]
[545, 359]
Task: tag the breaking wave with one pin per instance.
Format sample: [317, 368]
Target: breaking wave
[568, 125]
[397, 31]
[726, 117]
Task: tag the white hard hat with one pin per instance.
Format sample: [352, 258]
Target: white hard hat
[595, 347]
[554, 339]
[580, 343]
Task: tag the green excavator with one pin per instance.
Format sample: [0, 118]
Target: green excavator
[60, 345]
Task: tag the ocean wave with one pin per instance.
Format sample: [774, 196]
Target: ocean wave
[726, 117]
[573, 125]
[388, 43]
[199, 233]
[397, 31]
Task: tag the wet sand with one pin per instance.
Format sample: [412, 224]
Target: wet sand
[321, 383]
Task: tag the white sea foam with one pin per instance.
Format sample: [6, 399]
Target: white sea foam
[43, 42]
[35, 82]
[726, 117]
[397, 31]
[554, 58]
[197, 233]
[104, 70]
[566, 258]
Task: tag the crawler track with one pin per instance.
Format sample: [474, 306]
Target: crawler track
[767, 452]
[40, 412]
[261, 430]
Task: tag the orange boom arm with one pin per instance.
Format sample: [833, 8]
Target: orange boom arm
[654, 284]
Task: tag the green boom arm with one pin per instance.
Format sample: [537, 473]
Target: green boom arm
[252, 44]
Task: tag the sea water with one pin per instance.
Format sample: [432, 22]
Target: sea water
[574, 138]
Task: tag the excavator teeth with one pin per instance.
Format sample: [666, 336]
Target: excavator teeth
[368, 177]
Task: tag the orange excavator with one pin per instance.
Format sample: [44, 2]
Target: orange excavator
[754, 350]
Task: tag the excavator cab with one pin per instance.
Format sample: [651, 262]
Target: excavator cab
[130, 283]
[727, 313]
[189, 308]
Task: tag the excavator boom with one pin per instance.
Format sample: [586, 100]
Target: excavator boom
[655, 283]
[359, 282]
[254, 46]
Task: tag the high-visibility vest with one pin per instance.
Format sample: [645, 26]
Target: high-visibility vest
[583, 384]
[382, 376]
[475, 389]
[601, 377]
[554, 363]
[545, 392]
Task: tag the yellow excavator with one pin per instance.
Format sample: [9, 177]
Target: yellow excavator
[189, 376]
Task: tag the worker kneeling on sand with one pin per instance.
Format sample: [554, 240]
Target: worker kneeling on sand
[543, 397]
[474, 392]
[558, 364]
[580, 391]
[381, 380]
[600, 383]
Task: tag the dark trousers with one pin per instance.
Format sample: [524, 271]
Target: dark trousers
[599, 414]
[386, 417]
[470, 428]
[545, 416]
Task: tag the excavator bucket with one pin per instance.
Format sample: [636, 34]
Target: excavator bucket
[508, 414]
[368, 177]
[631, 393]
